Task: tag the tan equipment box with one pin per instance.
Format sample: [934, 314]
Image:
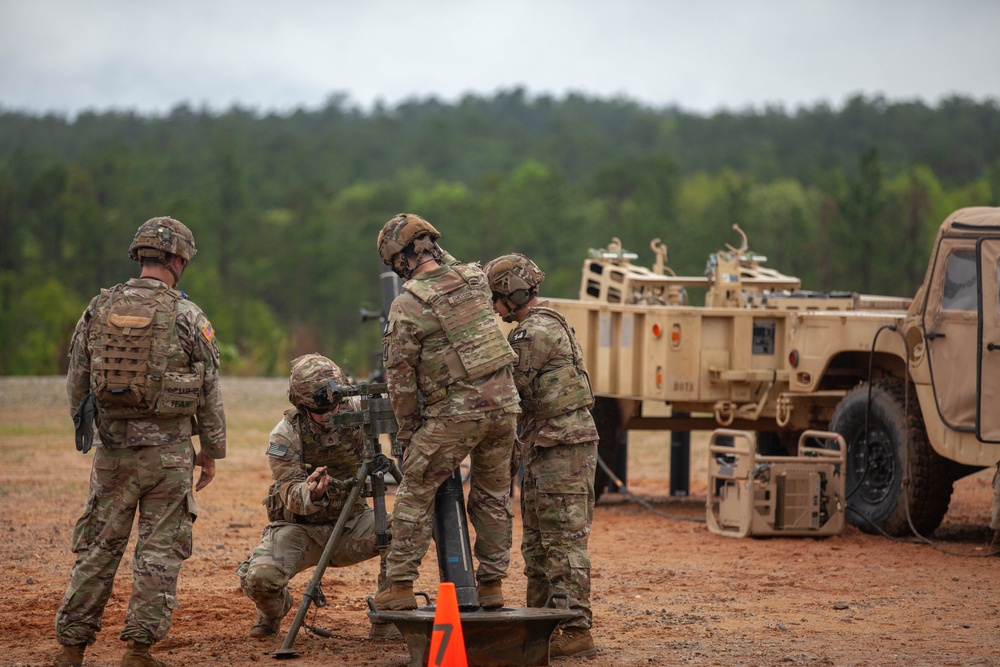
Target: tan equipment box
[753, 495]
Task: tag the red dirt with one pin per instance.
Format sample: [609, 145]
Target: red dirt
[664, 592]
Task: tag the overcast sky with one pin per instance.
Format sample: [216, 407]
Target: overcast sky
[701, 55]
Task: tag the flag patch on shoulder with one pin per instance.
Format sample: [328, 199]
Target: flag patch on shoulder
[277, 451]
[208, 332]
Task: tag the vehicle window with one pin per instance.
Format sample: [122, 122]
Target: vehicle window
[960, 281]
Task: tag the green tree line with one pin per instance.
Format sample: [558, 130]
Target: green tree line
[286, 208]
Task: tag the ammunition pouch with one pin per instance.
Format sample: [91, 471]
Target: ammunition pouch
[181, 393]
[275, 507]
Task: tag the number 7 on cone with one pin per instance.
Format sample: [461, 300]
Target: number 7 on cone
[447, 640]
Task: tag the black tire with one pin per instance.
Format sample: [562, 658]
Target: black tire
[606, 418]
[875, 465]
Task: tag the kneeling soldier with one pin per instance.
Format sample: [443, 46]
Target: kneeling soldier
[309, 460]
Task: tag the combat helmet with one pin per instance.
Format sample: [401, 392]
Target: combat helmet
[402, 232]
[308, 384]
[515, 279]
[160, 236]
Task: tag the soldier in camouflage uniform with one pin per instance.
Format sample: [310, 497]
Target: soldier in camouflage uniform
[559, 447]
[994, 546]
[448, 370]
[149, 357]
[309, 459]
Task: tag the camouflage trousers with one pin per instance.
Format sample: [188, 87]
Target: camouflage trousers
[156, 481]
[436, 449]
[995, 513]
[557, 510]
[286, 549]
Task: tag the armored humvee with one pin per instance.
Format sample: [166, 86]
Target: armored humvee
[908, 382]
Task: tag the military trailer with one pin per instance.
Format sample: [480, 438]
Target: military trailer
[908, 382]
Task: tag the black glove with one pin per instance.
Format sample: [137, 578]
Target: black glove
[83, 422]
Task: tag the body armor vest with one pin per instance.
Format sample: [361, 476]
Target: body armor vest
[342, 459]
[138, 368]
[470, 345]
[562, 389]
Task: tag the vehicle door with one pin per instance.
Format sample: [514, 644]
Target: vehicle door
[988, 349]
[951, 329]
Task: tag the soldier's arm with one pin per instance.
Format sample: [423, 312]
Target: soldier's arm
[78, 377]
[401, 352]
[534, 346]
[291, 479]
[211, 415]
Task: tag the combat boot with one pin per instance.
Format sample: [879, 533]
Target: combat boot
[137, 655]
[397, 597]
[70, 656]
[572, 643]
[490, 594]
[267, 626]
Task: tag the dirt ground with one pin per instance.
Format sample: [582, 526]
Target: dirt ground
[665, 592]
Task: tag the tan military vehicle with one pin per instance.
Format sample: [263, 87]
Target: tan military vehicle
[913, 384]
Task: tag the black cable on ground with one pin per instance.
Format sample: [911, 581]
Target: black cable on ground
[624, 489]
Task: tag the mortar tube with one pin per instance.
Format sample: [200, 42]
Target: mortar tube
[451, 537]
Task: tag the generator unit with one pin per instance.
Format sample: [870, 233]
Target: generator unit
[759, 496]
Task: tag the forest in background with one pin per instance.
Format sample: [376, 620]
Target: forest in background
[286, 208]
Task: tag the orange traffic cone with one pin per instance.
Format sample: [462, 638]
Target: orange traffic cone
[447, 640]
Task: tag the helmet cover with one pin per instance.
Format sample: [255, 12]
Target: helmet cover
[160, 236]
[508, 274]
[400, 232]
[308, 384]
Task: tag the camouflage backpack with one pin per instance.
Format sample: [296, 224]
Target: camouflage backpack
[130, 345]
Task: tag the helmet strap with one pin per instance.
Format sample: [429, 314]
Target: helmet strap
[409, 252]
[170, 267]
[511, 307]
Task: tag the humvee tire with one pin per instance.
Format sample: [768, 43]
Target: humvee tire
[876, 467]
[606, 419]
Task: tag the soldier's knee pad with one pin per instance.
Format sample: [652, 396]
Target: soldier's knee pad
[263, 582]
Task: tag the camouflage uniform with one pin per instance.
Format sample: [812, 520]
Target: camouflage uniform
[560, 455]
[145, 462]
[995, 511]
[300, 526]
[447, 412]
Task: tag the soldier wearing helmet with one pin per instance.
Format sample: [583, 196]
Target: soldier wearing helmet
[559, 448]
[448, 371]
[147, 356]
[310, 459]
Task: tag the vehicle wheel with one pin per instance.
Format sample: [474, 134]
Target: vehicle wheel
[875, 464]
[605, 413]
